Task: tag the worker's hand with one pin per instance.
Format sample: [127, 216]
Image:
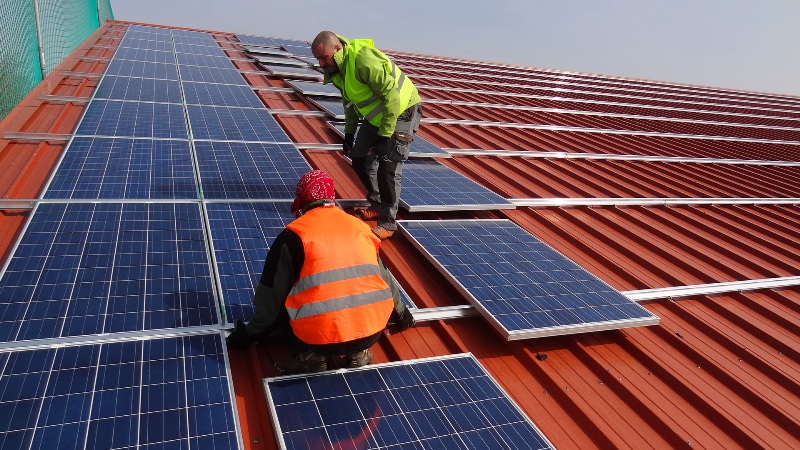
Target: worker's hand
[347, 145]
[401, 321]
[239, 338]
[381, 146]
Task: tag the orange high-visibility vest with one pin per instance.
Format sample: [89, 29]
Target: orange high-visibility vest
[340, 295]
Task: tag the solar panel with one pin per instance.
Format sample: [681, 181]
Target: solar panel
[241, 234]
[138, 54]
[142, 69]
[139, 89]
[446, 402]
[522, 286]
[199, 49]
[211, 75]
[192, 34]
[235, 124]
[220, 62]
[164, 393]
[432, 186]
[149, 30]
[116, 168]
[133, 119]
[237, 170]
[270, 51]
[304, 73]
[160, 45]
[420, 147]
[314, 88]
[259, 40]
[279, 60]
[332, 106]
[299, 50]
[203, 41]
[89, 268]
[221, 95]
[292, 42]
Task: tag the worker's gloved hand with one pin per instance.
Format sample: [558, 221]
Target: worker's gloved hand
[240, 338]
[400, 322]
[347, 146]
[382, 146]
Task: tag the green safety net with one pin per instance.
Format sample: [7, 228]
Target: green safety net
[57, 26]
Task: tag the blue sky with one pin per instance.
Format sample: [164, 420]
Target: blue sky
[736, 44]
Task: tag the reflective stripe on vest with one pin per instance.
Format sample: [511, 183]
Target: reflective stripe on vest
[338, 304]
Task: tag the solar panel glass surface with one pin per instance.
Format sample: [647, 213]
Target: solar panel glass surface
[332, 106]
[139, 89]
[115, 168]
[214, 50]
[521, 285]
[89, 268]
[133, 119]
[211, 75]
[190, 59]
[449, 402]
[432, 186]
[259, 40]
[241, 234]
[160, 393]
[147, 44]
[235, 124]
[221, 95]
[314, 88]
[137, 54]
[142, 69]
[237, 170]
[293, 71]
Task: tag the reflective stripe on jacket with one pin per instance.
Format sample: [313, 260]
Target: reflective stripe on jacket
[369, 104]
[340, 295]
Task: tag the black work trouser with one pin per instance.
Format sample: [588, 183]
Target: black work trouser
[295, 345]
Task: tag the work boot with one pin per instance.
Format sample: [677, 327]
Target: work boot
[362, 358]
[305, 362]
[367, 214]
[382, 233]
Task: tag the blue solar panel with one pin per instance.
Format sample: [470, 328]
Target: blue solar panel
[137, 54]
[299, 50]
[293, 42]
[160, 393]
[237, 170]
[156, 32]
[447, 403]
[204, 41]
[420, 147]
[271, 51]
[192, 34]
[140, 89]
[521, 285]
[221, 95]
[220, 62]
[89, 268]
[314, 88]
[160, 45]
[111, 168]
[133, 119]
[142, 69]
[199, 49]
[332, 106]
[293, 71]
[211, 75]
[432, 186]
[241, 234]
[235, 124]
[259, 40]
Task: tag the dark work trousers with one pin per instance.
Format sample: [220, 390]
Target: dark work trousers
[295, 345]
[382, 175]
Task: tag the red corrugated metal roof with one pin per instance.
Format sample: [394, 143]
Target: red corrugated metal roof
[719, 371]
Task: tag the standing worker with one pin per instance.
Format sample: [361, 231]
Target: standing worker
[323, 285]
[377, 93]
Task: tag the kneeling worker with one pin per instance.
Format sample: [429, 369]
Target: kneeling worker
[323, 285]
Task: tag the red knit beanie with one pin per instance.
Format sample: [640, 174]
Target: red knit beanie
[314, 185]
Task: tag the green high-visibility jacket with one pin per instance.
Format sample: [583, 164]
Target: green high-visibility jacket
[373, 87]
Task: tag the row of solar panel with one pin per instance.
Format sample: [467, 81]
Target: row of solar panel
[159, 393]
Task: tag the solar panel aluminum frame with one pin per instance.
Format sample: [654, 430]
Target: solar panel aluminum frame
[559, 330]
[274, 415]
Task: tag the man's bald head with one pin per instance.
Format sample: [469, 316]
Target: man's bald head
[323, 47]
[325, 39]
